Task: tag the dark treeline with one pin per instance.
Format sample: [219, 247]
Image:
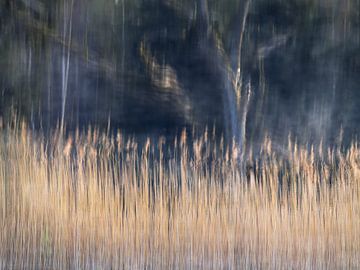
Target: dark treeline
[150, 66]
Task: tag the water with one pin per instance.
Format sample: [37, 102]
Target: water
[157, 66]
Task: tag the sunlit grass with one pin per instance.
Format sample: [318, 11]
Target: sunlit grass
[93, 201]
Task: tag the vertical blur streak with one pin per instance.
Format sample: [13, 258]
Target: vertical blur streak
[238, 115]
[238, 79]
[302, 59]
[65, 69]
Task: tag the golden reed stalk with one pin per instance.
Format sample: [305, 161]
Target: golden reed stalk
[99, 202]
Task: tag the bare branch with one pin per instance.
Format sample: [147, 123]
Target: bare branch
[238, 78]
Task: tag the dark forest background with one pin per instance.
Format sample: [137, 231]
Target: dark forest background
[157, 66]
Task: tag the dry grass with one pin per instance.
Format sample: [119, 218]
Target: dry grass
[96, 202]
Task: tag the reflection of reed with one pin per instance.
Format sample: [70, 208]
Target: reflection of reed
[102, 203]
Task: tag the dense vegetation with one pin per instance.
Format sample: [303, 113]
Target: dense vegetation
[179, 134]
[99, 202]
[301, 57]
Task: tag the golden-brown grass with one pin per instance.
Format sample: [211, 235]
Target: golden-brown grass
[100, 202]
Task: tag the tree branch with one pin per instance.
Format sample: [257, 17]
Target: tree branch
[238, 76]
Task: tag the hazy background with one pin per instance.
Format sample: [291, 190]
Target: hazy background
[156, 66]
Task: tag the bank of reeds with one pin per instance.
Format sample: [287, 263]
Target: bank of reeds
[96, 201]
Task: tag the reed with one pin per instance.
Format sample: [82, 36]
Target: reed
[96, 201]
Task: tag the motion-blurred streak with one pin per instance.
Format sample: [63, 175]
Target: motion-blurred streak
[34, 5]
[164, 77]
[275, 43]
[91, 58]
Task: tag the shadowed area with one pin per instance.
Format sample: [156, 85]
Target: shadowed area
[154, 67]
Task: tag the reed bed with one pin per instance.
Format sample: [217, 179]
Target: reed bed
[96, 201]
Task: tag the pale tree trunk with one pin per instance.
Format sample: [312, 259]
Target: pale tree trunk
[238, 77]
[238, 85]
[67, 36]
[235, 109]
